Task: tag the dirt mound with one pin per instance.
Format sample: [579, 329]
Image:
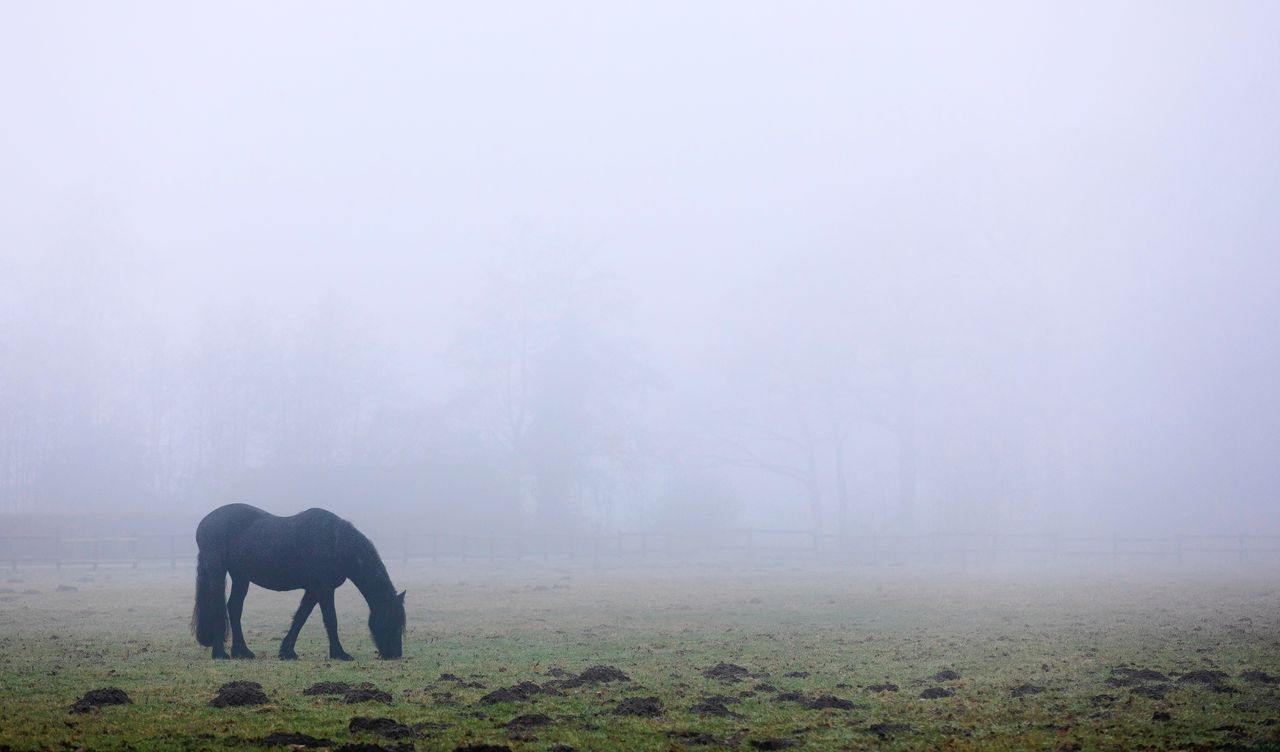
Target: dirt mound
[769, 744]
[1124, 676]
[764, 687]
[797, 675]
[789, 697]
[482, 748]
[527, 722]
[1259, 677]
[646, 707]
[1160, 715]
[726, 672]
[1150, 691]
[327, 688]
[886, 730]
[1022, 690]
[380, 727]
[367, 693]
[1203, 676]
[714, 707]
[886, 687]
[292, 739]
[602, 674]
[370, 747]
[946, 675]
[96, 698]
[521, 692]
[822, 702]
[699, 739]
[934, 693]
[239, 693]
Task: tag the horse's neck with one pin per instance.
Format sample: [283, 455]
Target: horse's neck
[372, 581]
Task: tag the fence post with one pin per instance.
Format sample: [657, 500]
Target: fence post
[94, 553]
[133, 551]
[173, 552]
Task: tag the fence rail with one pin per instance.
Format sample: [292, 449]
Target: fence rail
[160, 549]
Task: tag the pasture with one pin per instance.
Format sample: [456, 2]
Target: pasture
[814, 658]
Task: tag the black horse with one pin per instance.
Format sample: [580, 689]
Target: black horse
[315, 551]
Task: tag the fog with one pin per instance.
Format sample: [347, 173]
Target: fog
[853, 268]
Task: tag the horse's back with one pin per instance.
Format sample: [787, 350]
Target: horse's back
[279, 553]
[226, 520]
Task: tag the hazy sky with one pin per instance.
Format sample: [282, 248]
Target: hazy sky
[1107, 173]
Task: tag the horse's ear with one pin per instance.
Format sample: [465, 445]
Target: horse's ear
[400, 597]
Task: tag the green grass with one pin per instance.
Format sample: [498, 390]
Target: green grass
[854, 628]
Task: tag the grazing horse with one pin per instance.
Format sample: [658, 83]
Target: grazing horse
[314, 551]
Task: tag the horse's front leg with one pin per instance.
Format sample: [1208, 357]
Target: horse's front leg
[331, 626]
[235, 607]
[300, 618]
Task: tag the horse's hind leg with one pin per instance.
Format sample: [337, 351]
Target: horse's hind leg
[235, 606]
[331, 626]
[300, 618]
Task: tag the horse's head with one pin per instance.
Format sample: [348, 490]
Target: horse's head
[386, 624]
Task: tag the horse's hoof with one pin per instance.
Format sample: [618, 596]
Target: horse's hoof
[289, 656]
[341, 657]
[246, 654]
[221, 656]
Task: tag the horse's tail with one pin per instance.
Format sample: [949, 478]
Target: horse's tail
[209, 618]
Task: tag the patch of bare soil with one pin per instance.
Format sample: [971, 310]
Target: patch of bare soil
[1125, 676]
[1214, 680]
[292, 739]
[1022, 690]
[602, 675]
[886, 730]
[454, 678]
[523, 724]
[371, 747]
[387, 727]
[934, 693]
[366, 692]
[645, 707]
[714, 707]
[797, 675]
[824, 702]
[699, 739]
[1161, 716]
[1150, 691]
[1259, 677]
[764, 687]
[770, 744]
[521, 692]
[482, 748]
[946, 675]
[96, 698]
[327, 688]
[239, 693]
[726, 672]
[886, 687]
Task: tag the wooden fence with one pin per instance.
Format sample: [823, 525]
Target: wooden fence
[753, 544]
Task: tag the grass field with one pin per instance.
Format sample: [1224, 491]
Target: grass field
[1039, 663]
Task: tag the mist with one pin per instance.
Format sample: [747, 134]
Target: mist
[844, 268]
